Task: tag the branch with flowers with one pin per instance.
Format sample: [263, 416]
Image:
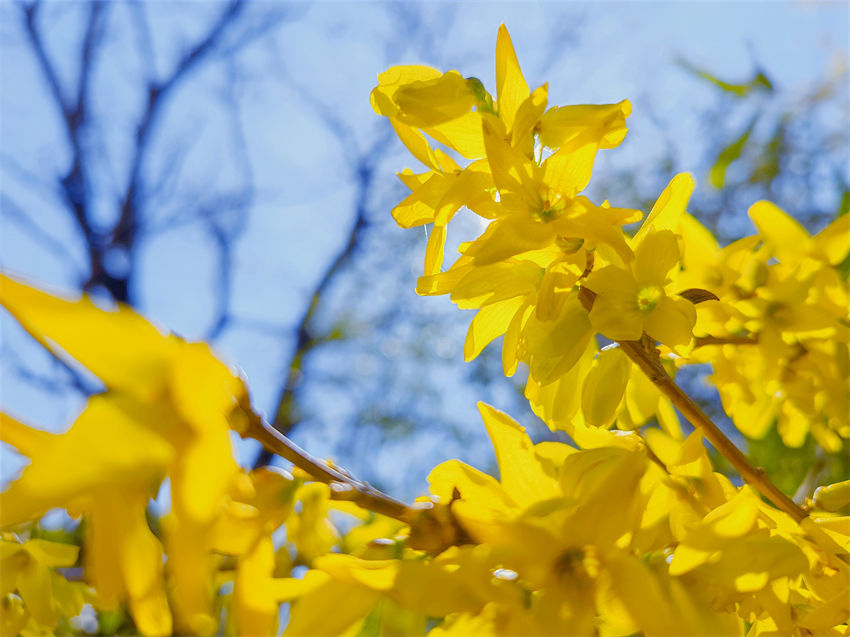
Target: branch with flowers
[629, 530]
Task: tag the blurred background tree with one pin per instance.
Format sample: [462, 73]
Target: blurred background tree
[217, 166]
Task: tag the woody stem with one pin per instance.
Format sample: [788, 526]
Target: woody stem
[343, 486]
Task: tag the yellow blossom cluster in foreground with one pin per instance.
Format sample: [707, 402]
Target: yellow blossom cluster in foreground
[630, 531]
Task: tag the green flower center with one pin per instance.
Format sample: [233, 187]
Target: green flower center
[648, 297]
[550, 209]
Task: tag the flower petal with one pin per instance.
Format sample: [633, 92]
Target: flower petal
[657, 254]
[511, 87]
[672, 321]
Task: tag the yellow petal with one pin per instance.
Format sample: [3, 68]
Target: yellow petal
[434, 250]
[520, 472]
[140, 558]
[432, 591]
[391, 80]
[605, 123]
[604, 386]
[191, 564]
[470, 188]
[830, 614]
[615, 311]
[512, 171]
[427, 103]
[782, 233]
[378, 575]
[288, 588]
[672, 321]
[442, 282]
[34, 586]
[472, 484]
[833, 497]
[568, 170]
[419, 207]
[14, 617]
[463, 134]
[558, 402]
[489, 323]
[833, 242]
[52, 553]
[256, 603]
[332, 608]
[699, 245]
[510, 236]
[527, 117]
[512, 342]
[120, 347]
[657, 254]
[25, 439]
[555, 346]
[669, 207]
[495, 282]
[111, 443]
[416, 143]
[662, 605]
[103, 545]
[600, 481]
[511, 87]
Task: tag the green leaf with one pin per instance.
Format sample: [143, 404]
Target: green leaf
[759, 81]
[768, 164]
[786, 467]
[717, 175]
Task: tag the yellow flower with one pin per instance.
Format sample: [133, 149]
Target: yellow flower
[165, 413]
[630, 302]
[28, 569]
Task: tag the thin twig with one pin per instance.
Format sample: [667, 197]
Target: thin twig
[343, 485]
[651, 366]
[702, 341]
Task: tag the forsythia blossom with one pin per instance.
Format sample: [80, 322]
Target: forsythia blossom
[629, 530]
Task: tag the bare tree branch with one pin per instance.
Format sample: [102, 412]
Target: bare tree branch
[124, 232]
[306, 337]
[15, 213]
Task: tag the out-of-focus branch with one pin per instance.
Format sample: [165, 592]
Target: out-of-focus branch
[124, 233]
[703, 341]
[74, 183]
[13, 212]
[306, 338]
[74, 378]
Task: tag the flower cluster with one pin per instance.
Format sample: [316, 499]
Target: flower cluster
[628, 531]
[545, 243]
[596, 541]
[779, 290]
[168, 413]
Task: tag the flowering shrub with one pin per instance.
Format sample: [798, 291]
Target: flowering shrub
[631, 530]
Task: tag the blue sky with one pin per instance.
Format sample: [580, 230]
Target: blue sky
[330, 53]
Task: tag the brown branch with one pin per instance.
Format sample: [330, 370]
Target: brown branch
[649, 364]
[343, 485]
[433, 526]
[703, 341]
[285, 417]
[306, 340]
